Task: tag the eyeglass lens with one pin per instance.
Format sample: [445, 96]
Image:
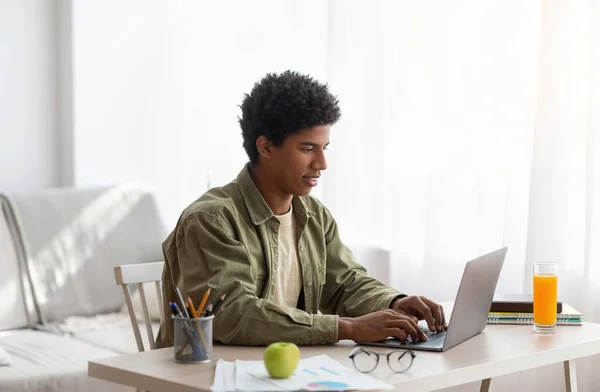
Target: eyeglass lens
[400, 361]
[366, 361]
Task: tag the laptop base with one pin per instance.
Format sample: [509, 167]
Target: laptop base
[395, 343]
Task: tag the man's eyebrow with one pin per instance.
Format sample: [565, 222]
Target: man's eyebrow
[312, 144]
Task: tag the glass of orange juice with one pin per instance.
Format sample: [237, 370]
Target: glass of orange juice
[545, 287]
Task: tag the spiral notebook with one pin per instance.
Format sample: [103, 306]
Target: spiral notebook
[568, 316]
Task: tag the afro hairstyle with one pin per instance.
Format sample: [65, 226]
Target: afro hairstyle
[283, 104]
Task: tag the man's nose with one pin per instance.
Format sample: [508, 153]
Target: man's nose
[320, 163]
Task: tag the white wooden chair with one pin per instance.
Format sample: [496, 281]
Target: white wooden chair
[139, 274]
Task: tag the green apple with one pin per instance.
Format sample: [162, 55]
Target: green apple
[281, 359]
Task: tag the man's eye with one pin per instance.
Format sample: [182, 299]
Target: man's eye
[307, 149]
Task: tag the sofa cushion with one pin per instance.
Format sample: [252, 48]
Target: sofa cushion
[73, 238]
[118, 339]
[43, 361]
[111, 331]
[13, 313]
[4, 358]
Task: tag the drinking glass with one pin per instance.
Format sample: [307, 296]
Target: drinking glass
[545, 287]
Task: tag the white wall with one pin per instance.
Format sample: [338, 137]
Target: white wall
[105, 89]
[29, 142]
[89, 94]
[125, 57]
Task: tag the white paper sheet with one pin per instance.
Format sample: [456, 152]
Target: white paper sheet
[319, 373]
[224, 380]
[246, 381]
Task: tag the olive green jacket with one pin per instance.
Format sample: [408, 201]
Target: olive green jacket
[227, 240]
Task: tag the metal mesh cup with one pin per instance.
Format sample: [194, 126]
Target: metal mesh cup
[192, 339]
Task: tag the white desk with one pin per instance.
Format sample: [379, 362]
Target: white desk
[498, 350]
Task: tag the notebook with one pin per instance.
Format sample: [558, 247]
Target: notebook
[568, 316]
[516, 303]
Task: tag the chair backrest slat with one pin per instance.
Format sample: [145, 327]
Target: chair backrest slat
[139, 274]
[160, 300]
[146, 315]
[134, 323]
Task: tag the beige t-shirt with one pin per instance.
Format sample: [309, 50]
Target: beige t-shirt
[289, 276]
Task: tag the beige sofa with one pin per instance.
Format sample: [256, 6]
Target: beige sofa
[60, 304]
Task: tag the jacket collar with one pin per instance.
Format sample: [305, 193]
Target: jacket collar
[257, 206]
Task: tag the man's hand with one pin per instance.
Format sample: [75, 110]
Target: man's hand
[380, 325]
[423, 309]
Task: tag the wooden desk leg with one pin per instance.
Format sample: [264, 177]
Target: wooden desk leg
[570, 376]
[485, 385]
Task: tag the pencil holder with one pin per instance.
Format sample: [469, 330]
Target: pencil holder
[192, 342]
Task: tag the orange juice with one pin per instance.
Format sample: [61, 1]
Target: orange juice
[544, 299]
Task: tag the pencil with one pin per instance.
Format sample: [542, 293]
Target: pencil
[192, 309]
[198, 313]
[197, 326]
[218, 304]
[203, 303]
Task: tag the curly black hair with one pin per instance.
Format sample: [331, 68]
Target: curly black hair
[280, 105]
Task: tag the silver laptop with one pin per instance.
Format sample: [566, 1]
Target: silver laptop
[471, 307]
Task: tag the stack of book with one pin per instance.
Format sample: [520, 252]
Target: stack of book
[519, 310]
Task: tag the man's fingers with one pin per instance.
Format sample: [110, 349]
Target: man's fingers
[397, 333]
[444, 325]
[425, 310]
[442, 318]
[410, 327]
[438, 313]
[421, 334]
[406, 331]
[412, 316]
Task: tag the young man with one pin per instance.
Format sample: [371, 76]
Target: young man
[273, 249]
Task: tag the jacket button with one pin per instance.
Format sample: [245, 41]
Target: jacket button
[301, 249]
[309, 284]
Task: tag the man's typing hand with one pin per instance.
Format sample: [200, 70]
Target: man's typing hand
[380, 325]
[423, 309]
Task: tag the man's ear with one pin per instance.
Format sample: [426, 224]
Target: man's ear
[264, 146]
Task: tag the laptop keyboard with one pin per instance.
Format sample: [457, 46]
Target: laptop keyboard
[434, 339]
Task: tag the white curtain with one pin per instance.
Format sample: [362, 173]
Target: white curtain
[466, 126]
[435, 145]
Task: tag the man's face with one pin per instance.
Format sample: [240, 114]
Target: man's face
[298, 163]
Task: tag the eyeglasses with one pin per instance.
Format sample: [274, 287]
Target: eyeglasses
[365, 361]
